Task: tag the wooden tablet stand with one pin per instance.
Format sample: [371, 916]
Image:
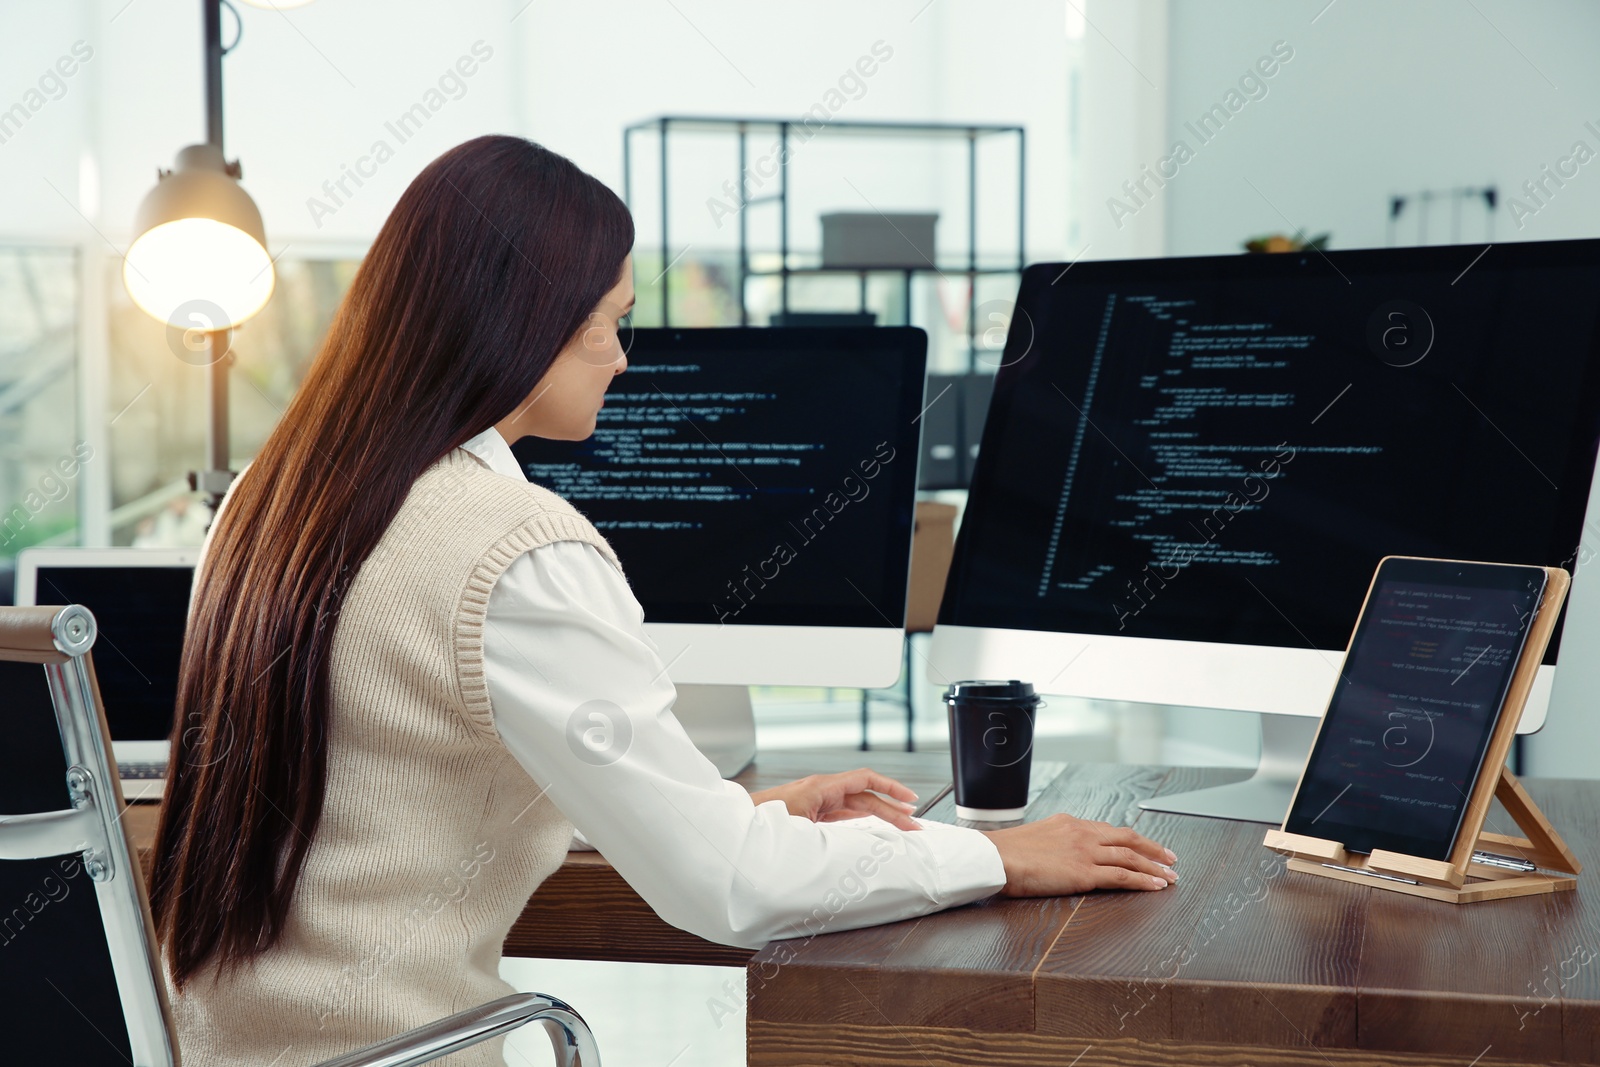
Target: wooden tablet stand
[1461, 879]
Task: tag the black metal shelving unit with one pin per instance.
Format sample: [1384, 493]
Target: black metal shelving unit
[786, 129]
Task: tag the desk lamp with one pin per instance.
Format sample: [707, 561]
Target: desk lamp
[199, 262]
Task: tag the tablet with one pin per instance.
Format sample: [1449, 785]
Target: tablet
[1423, 682]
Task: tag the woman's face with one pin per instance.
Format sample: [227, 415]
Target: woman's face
[563, 406]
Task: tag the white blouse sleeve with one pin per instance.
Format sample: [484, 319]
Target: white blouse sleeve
[582, 700]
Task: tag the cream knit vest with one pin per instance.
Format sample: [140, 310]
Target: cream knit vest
[432, 835]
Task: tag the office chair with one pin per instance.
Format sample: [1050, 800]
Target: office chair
[69, 956]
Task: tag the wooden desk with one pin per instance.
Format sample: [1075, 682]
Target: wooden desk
[1241, 963]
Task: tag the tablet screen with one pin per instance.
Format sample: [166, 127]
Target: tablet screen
[1420, 693]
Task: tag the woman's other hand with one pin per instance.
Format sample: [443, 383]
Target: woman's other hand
[1061, 855]
[851, 795]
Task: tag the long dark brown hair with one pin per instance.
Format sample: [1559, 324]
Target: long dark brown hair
[486, 268]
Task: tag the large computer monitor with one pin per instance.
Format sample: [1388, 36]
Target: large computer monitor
[758, 485]
[1191, 468]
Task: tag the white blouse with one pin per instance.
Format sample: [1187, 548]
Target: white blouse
[563, 632]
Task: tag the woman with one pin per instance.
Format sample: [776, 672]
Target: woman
[396, 644]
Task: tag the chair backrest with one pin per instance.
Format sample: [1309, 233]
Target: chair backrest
[80, 979]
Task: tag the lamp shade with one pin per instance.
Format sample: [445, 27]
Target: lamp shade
[199, 258]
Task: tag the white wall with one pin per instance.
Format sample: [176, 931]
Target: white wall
[46, 120]
[1124, 110]
[737, 59]
[309, 92]
[1380, 98]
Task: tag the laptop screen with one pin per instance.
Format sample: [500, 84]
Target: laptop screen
[141, 613]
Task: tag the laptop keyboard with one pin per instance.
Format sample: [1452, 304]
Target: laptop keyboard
[139, 771]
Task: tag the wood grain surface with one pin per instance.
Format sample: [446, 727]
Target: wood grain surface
[1242, 962]
[1570, 985]
[847, 1045]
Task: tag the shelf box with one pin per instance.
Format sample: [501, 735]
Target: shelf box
[862, 239]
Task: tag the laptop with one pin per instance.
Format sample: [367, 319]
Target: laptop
[140, 601]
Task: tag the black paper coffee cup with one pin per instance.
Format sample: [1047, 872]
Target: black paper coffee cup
[991, 747]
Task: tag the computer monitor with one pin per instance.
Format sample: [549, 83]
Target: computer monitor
[140, 601]
[1191, 468]
[758, 486]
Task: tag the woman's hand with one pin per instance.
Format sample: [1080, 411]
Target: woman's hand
[1061, 855]
[829, 797]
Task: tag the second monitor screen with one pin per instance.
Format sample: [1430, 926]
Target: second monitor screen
[754, 476]
[1222, 449]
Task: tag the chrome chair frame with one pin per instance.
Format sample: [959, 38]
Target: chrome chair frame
[60, 639]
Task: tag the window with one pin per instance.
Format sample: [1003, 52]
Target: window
[158, 397]
[40, 453]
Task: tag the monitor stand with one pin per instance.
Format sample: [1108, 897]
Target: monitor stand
[1263, 797]
[719, 721]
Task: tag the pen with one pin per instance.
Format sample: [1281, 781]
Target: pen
[1372, 874]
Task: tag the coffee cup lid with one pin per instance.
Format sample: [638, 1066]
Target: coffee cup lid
[1010, 690]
